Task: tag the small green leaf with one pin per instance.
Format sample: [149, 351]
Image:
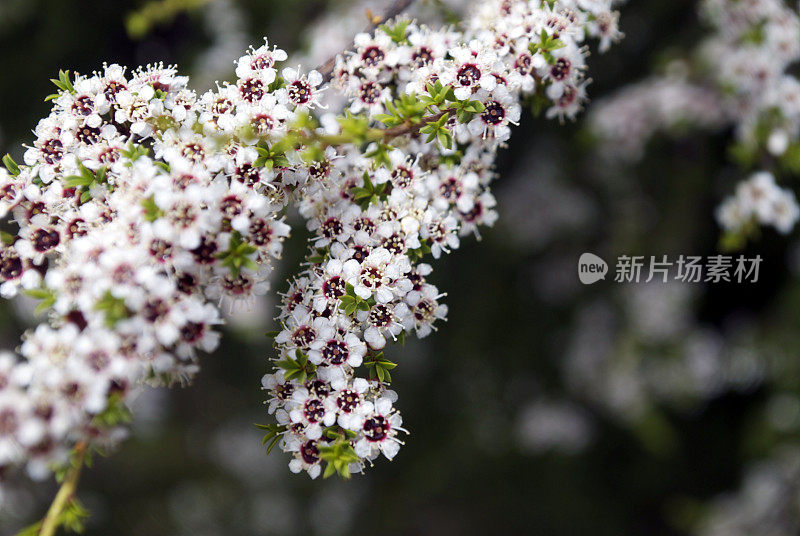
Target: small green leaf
[46, 295]
[7, 238]
[74, 181]
[10, 165]
[63, 83]
[113, 307]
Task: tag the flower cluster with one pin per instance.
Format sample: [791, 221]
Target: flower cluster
[741, 75]
[759, 200]
[634, 115]
[141, 208]
[446, 100]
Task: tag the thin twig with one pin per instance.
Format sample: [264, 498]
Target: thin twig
[65, 493]
[397, 7]
[412, 128]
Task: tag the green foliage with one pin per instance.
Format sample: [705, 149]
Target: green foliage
[745, 155]
[151, 210]
[141, 22]
[337, 432]
[379, 367]
[755, 35]
[537, 102]
[278, 83]
[273, 435]
[73, 517]
[7, 238]
[114, 308]
[116, 413]
[380, 154]
[438, 94]
[790, 160]
[46, 295]
[237, 256]
[398, 31]
[270, 157]
[313, 153]
[299, 368]
[10, 165]
[134, 151]
[31, 530]
[86, 181]
[546, 45]
[369, 192]
[466, 110]
[408, 108]
[736, 240]
[320, 256]
[355, 127]
[437, 130]
[338, 456]
[352, 302]
[417, 254]
[63, 83]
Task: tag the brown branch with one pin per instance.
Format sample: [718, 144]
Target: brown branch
[397, 7]
[412, 128]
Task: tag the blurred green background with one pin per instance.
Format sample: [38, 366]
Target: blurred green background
[542, 406]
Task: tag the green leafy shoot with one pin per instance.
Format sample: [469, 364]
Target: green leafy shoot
[379, 367]
[46, 295]
[546, 45]
[355, 127]
[114, 309]
[270, 157]
[338, 456]
[352, 302]
[407, 109]
[116, 413]
[437, 130]
[380, 154]
[63, 83]
[237, 256]
[398, 32]
[133, 152]
[272, 436]
[417, 254]
[466, 110]
[438, 95]
[86, 181]
[320, 256]
[369, 192]
[299, 368]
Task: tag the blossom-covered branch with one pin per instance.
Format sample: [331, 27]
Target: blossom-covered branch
[142, 208]
[379, 213]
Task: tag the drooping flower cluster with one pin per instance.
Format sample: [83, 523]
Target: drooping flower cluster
[378, 212]
[741, 75]
[759, 200]
[141, 208]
